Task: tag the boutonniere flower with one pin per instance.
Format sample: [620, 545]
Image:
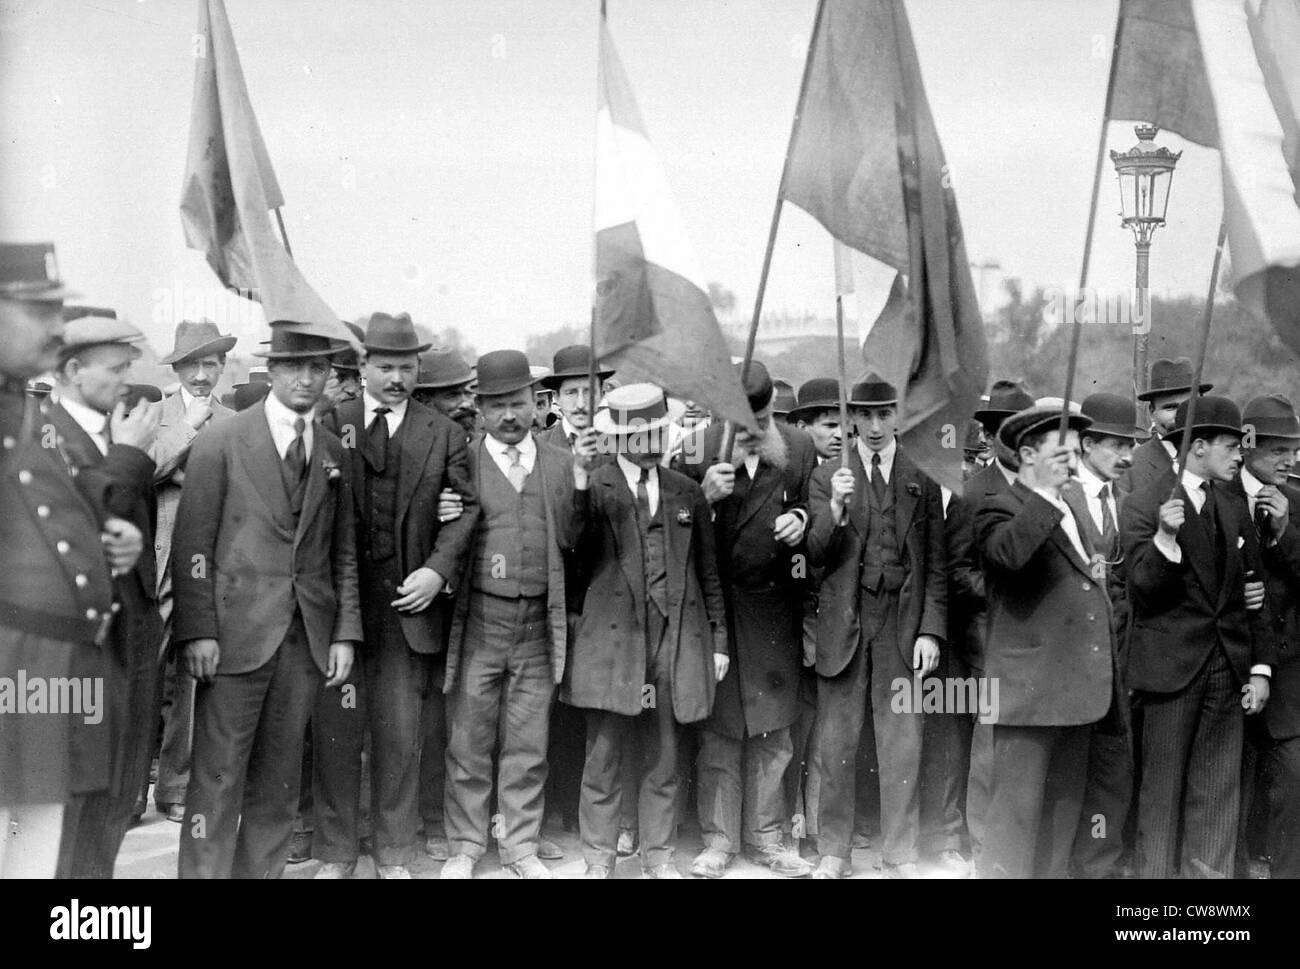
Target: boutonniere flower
[332, 470]
[1097, 565]
[914, 489]
[684, 516]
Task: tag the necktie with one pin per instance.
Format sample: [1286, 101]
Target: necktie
[1261, 517]
[1109, 533]
[877, 480]
[1210, 515]
[517, 472]
[107, 432]
[643, 495]
[296, 457]
[378, 435]
[573, 438]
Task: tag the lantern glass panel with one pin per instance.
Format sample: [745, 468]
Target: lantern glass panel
[1160, 182]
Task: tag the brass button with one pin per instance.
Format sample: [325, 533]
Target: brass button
[1087, 587]
[43, 511]
[10, 443]
[92, 614]
[81, 581]
[25, 477]
[63, 547]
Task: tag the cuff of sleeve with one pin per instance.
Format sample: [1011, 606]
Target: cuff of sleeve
[1261, 669]
[1168, 547]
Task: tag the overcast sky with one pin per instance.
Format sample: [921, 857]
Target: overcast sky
[436, 155]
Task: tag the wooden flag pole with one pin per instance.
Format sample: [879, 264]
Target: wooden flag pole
[1077, 328]
[843, 381]
[1202, 348]
[279, 219]
[729, 435]
[592, 389]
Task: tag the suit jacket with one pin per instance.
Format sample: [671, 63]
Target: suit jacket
[1182, 611]
[966, 575]
[608, 667]
[763, 584]
[1151, 463]
[1116, 587]
[170, 451]
[1050, 646]
[434, 456]
[241, 568]
[923, 599]
[1282, 588]
[566, 512]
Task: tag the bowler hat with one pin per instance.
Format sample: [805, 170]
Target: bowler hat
[1033, 419]
[1214, 415]
[1271, 415]
[873, 391]
[346, 359]
[90, 331]
[195, 339]
[1007, 397]
[287, 344]
[783, 399]
[758, 385]
[637, 408]
[1170, 377]
[820, 393]
[503, 372]
[30, 272]
[1112, 415]
[443, 367]
[572, 361]
[392, 334]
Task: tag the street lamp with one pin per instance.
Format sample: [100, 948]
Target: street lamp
[1145, 173]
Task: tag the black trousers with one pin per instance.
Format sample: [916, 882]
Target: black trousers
[1099, 841]
[243, 790]
[1283, 758]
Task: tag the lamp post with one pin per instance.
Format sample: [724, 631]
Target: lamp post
[1145, 172]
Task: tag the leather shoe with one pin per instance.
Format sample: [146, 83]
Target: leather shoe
[905, 869]
[626, 842]
[859, 841]
[460, 867]
[951, 861]
[300, 847]
[781, 860]
[666, 870]
[436, 847]
[333, 870]
[548, 850]
[598, 871]
[710, 863]
[174, 812]
[832, 867]
[530, 867]
[394, 872]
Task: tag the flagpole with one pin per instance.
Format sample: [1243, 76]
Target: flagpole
[843, 381]
[1206, 315]
[728, 436]
[283, 235]
[591, 334]
[1077, 330]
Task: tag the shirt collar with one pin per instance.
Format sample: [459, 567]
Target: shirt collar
[1091, 481]
[1250, 482]
[1191, 481]
[277, 413]
[369, 405]
[632, 472]
[886, 456]
[90, 420]
[527, 447]
[1010, 476]
[568, 429]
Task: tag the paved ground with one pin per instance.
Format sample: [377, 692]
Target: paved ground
[150, 852]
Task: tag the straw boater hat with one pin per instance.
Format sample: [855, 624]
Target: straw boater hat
[637, 408]
[1033, 419]
[572, 361]
[196, 339]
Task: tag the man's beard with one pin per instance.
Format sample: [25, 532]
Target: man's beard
[769, 446]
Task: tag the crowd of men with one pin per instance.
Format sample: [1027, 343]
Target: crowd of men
[500, 604]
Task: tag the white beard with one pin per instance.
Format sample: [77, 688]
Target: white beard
[770, 448]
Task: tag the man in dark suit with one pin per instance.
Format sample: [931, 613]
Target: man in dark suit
[116, 475]
[403, 455]
[570, 382]
[651, 642]
[759, 499]
[509, 635]
[1049, 649]
[265, 578]
[877, 529]
[1106, 451]
[1202, 646]
[967, 605]
[1273, 748]
[1170, 385]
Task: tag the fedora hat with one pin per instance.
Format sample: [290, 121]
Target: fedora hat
[29, 272]
[503, 372]
[783, 398]
[287, 344]
[1006, 397]
[572, 361]
[1112, 416]
[443, 367]
[820, 393]
[391, 334]
[758, 385]
[1032, 419]
[1171, 377]
[1271, 415]
[195, 339]
[346, 358]
[92, 331]
[872, 391]
[637, 408]
[1213, 414]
